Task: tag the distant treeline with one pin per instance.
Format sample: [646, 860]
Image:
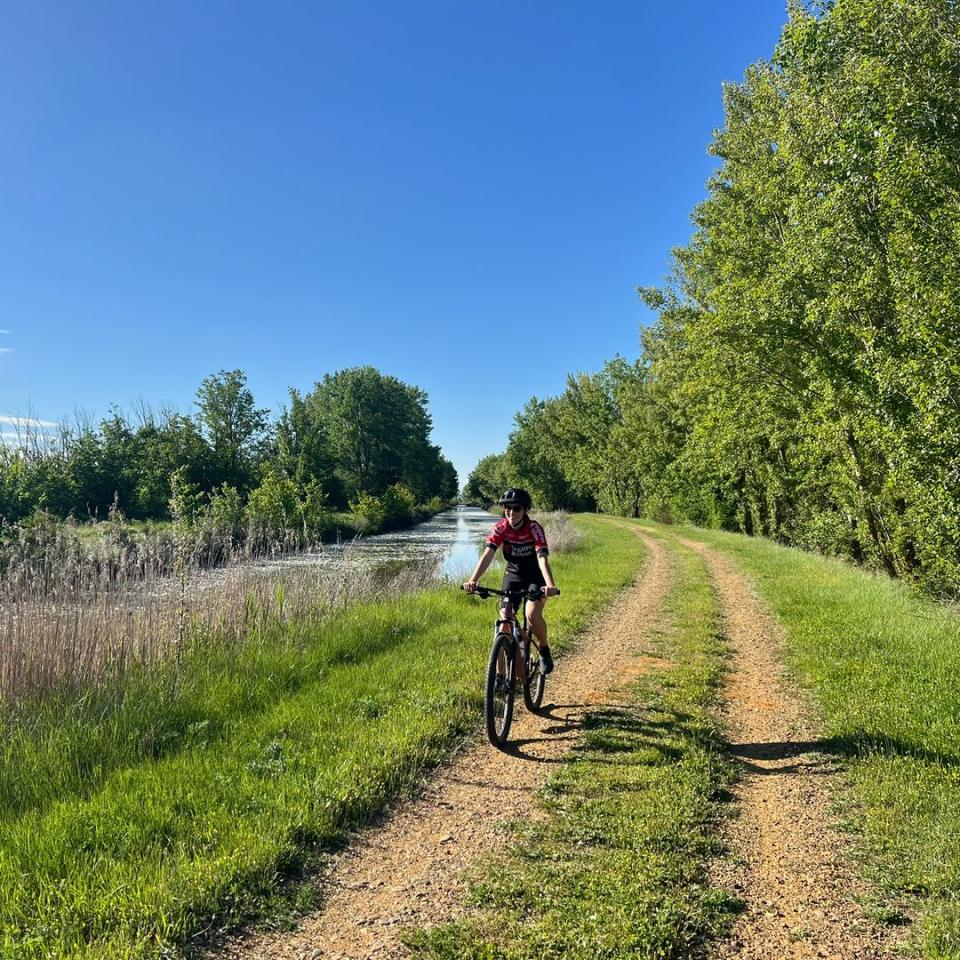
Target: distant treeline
[802, 380]
[359, 440]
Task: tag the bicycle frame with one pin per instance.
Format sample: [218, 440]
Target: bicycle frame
[521, 638]
[508, 623]
[510, 662]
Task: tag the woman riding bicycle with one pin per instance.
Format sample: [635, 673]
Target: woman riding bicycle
[525, 550]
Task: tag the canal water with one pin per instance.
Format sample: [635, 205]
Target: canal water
[451, 541]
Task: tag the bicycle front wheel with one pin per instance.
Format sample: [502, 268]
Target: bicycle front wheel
[535, 682]
[498, 701]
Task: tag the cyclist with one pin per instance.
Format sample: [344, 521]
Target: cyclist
[525, 550]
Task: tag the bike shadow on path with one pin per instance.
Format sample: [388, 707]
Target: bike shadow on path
[563, 726]
[810, 757]
[568, 721]
[515, 748]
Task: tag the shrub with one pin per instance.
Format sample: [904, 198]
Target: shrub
[315, 513]
[399, 505]
[226, 511]
[272, 508]
[562, 535]
[186, 500]
[368, 513]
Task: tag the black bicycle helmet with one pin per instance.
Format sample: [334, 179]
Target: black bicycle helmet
[515, 497]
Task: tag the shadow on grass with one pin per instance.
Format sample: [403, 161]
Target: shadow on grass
[608, 728]
[857, 745]
[612, 734]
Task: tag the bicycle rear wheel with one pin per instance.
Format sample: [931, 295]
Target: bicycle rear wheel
[498, 701]
[535, 681]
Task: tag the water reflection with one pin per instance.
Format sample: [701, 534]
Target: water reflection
[472, 527]
[451, 541]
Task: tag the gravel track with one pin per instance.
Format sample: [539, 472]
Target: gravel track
[789, 865]
[408, 869]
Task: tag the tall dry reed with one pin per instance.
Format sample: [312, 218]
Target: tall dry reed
[562, 535]
[74, 615]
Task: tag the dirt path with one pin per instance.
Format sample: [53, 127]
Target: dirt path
[408, 871]
[789, 865]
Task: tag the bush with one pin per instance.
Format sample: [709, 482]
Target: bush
[186, 500]
[226, 511]
[399, 505]
[281, 509]
[562, 535]
[368, 513]
[315, 514]
[272, 508]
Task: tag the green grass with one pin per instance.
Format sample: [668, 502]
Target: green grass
[136, 529]
[883, 667]
[177, 803]
[616, 868]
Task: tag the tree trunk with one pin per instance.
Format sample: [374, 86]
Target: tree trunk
[745, 500]
[856, 547]
[872, 513]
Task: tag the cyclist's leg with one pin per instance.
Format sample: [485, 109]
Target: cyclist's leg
[539, 627]
[536, 621]
[506, 615]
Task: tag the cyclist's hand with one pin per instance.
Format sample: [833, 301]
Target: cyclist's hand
[470, 586]
[551, 591]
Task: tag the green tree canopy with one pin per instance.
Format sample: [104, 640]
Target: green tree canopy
[379, 430]
[232, 425]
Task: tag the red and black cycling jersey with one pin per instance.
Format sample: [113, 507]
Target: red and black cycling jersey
[520, 549]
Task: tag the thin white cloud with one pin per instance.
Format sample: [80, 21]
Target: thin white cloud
[8, 332]
[6, 349]
[12, 421]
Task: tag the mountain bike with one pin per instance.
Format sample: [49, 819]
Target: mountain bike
[514, 661]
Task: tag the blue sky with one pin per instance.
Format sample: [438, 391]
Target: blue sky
[463, 194]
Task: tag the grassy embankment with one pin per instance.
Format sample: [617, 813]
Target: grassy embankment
[616, 868]
[883, 667]
[168, 805]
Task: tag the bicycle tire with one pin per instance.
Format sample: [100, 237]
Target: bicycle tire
[498, 697]
[534, 683]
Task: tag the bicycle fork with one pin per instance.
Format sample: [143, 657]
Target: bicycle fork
[517, 668]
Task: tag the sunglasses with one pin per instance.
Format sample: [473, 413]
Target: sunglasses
[512, 506]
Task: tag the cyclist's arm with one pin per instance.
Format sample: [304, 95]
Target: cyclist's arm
[486, 558]
[544, 562]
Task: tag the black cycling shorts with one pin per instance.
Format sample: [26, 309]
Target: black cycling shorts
[513, 582]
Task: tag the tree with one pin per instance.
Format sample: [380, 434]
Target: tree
[537, 462]
[379, 430]
[488, 479]
[167, 443]
[808, 333]
[303, 449]
[232, 425]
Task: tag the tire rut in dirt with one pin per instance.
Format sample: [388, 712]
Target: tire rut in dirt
[788, 865]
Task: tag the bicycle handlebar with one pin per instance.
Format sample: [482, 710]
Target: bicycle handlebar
[533, 592]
